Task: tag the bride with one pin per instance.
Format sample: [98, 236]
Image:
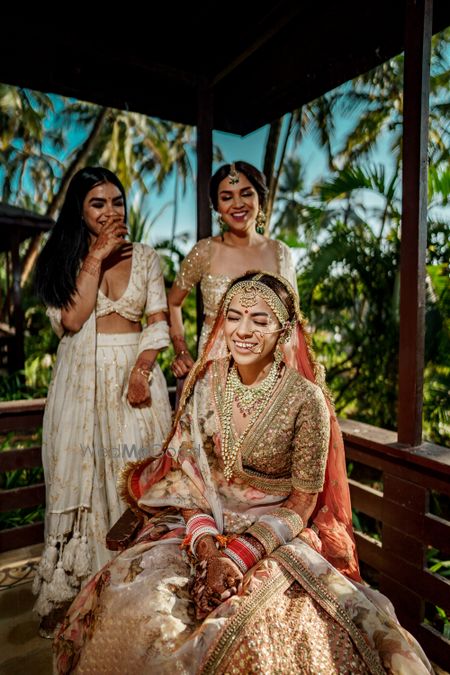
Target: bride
[245, 561]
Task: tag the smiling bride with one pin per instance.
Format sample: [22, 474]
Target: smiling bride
[245, 561]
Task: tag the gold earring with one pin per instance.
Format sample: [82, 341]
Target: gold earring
[260, 222]
[286, 336]
[222, 224]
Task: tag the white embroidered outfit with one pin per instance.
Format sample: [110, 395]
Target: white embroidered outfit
[90, 430]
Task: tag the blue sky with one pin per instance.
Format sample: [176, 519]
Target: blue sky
[250, 148]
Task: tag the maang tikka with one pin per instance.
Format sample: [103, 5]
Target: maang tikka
[233, 176]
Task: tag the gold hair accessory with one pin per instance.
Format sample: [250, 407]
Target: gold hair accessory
[233, 176]
[253, 289]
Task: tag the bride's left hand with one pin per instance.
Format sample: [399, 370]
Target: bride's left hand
[217, 578]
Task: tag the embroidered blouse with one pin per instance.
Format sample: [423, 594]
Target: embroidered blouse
[145, 293]
[288, 447]
[145, 290]
[195, 268]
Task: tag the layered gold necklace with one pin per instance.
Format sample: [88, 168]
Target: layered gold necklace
[249, 400]
[247, 397]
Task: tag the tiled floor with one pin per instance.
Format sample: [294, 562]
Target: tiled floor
[22, 650]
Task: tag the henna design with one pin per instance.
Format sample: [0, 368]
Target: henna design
[92, 266]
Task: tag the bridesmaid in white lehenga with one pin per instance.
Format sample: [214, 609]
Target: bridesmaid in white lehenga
[108, 401]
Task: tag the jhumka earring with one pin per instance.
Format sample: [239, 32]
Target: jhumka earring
[260, 222]
[286, 335]
[222, 224]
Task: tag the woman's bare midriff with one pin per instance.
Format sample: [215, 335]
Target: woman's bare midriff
[115, 323]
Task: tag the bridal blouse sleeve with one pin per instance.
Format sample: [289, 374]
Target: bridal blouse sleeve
[311, 439]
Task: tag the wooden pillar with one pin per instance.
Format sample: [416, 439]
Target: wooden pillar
[17, 360]
[419, 14]
[204, 167]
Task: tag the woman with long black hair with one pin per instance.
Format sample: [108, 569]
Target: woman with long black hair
[108, 401]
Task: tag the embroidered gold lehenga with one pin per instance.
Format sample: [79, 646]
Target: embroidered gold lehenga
[301, 609]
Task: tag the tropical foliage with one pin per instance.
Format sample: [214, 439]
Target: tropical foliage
[345, 227]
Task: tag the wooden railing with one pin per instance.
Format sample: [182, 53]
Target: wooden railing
[408, 528]
[401, 507]
[21, 416]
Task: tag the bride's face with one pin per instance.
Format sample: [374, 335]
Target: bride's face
[252, 332]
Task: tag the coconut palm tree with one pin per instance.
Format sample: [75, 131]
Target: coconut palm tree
[143, 151]
[22, 147]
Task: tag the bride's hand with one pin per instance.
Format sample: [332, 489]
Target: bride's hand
[217, 578]
[223, 577]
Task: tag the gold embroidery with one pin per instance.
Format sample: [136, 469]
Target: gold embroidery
[194, 265]
[312, 585]
[265, 535]
[290, 518]
[295, 635]
[289, 445]
[217, 656]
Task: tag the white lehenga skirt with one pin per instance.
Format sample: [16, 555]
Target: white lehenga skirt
[122, 433]
[90, 432]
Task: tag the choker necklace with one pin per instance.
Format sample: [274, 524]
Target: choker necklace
[251, 399]
[247, 397]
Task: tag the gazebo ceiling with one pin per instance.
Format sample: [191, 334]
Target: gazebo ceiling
[262, 59]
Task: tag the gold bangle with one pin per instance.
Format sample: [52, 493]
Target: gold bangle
[146, 373]
[183, 351]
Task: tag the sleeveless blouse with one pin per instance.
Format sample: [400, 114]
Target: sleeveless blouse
[145, 292]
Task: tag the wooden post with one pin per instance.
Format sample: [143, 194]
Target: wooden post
[204, 166]
[17, 360]
[419, 15]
